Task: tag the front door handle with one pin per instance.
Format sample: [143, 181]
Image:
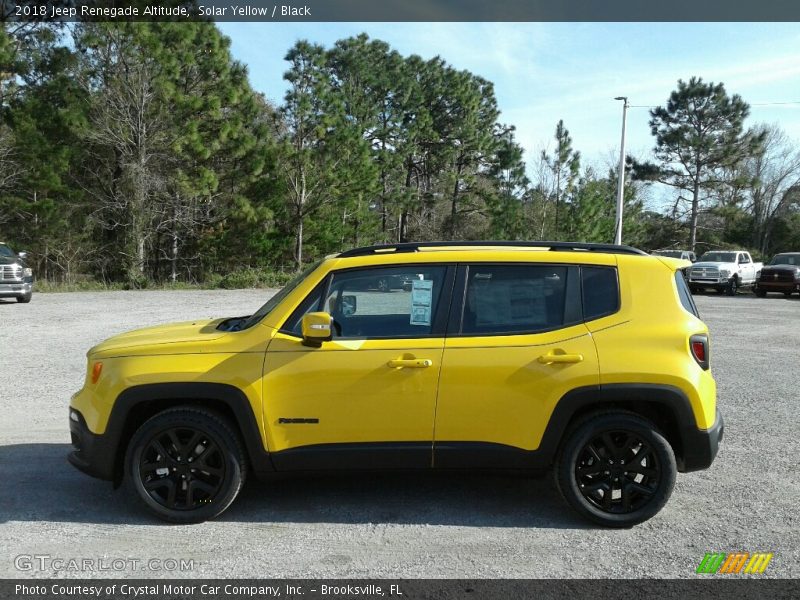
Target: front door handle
[410, 363]
[552, 358]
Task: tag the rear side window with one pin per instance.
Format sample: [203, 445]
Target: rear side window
[685, 295]
[600, 289]
[506, 299]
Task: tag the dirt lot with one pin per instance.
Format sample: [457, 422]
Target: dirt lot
[393, 525]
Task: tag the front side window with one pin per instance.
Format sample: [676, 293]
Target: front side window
[507, 299]
[388, 302]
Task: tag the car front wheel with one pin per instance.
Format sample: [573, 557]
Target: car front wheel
[187, 465]
[616, 469]
[733, 287]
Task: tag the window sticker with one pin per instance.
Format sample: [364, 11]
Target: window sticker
[510, 302]
[421, 301]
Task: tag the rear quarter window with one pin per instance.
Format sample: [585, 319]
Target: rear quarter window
[685, 295]
[600, 291]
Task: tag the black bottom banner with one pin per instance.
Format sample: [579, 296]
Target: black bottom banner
[399, 589]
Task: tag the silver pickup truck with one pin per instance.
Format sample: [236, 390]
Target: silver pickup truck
[724, 270]
[16, 277]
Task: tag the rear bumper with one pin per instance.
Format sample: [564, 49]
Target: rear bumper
[701, 446]
[91, 453]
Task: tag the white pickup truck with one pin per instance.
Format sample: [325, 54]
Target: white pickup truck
[724, 270]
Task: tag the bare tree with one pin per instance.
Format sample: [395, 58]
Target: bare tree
[128, 145]
[775, 176]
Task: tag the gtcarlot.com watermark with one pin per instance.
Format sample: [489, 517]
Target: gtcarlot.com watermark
[59, 564]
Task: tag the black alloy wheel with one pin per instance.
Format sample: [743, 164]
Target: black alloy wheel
[617, 472]
[615, 468]
[182, 468]
[187, 465]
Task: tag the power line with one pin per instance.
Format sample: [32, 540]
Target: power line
[751, 104]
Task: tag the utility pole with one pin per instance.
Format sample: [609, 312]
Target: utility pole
[621, 182]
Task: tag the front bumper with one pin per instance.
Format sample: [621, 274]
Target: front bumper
[778, 286]
[14, 289]
[701, 446]
[91, 453]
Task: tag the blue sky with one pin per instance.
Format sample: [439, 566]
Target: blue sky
[544, 72]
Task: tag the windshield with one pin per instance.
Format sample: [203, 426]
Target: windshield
[728, 257]
[669, 253]
[277, 298]
[786, 259]
[6, 251]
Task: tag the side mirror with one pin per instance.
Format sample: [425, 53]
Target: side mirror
[317, 327]
[23, 255]
[349, 305]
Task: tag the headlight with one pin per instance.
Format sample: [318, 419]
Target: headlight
[724, 273]
[797, 274]
[27, 272]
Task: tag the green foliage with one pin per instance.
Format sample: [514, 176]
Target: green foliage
[137, 155]
[699, 135]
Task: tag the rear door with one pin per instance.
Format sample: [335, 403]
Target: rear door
[516, 344]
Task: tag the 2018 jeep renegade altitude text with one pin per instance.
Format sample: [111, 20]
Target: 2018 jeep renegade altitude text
[587, 359]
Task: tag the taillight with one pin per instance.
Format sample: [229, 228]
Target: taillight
[699, 347]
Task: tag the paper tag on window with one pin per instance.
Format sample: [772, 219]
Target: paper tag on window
[421, 301]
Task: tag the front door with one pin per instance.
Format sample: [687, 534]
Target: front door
[365, 399]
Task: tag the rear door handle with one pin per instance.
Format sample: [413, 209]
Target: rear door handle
[410, 363]
[551, 358]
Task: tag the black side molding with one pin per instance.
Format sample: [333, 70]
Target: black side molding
[102, 455]
[694, 448]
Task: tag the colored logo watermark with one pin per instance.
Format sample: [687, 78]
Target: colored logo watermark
[734, 563]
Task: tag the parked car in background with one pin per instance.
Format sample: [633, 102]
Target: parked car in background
[782, 274]
[682, 254]
[724, 270]
[16, 277]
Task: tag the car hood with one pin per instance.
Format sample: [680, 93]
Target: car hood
[716, 265]
[195, 333]
[779, 268]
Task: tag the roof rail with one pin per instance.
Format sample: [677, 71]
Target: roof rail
[553, 246]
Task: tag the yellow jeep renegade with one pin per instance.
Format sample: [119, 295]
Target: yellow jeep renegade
[589, 359]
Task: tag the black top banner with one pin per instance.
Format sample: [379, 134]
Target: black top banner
[400, 10]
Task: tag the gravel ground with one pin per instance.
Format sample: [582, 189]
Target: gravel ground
[391, 526]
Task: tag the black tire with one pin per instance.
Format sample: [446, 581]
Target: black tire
[203, 482]
[733, 287]
[694, 289]
[25, 299]
[787, 294]
[760, 293]
[644, 486]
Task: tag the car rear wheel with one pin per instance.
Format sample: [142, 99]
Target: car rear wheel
[187, 465]
[616, 469]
